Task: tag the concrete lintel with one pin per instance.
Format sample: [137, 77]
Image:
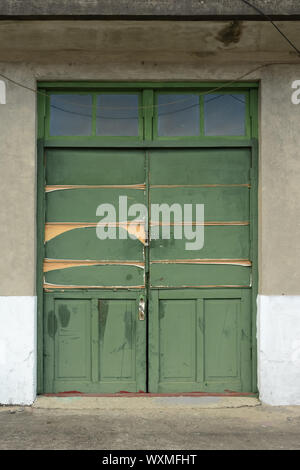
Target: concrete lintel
[147, 10]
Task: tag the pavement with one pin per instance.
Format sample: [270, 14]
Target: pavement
[156, 423]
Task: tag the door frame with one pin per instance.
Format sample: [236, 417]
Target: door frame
[207, 142]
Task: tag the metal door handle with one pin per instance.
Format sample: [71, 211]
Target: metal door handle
[142, 309]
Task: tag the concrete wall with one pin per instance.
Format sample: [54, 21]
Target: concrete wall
[75, 52]
[144, 9]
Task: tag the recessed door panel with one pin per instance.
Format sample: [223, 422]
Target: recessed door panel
[203, 341]
[94, 342]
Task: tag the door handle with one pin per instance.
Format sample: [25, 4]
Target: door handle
[141, 309]
[146, 239]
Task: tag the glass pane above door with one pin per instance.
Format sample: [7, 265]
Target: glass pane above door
[178, 115]
[117, 115]
[70, 115]
[224, 115]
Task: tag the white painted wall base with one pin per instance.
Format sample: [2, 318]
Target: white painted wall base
[278, 334]
[17, 350]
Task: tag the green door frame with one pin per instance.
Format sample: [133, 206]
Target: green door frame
[147, 88]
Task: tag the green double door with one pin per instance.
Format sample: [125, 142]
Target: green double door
[127, 310]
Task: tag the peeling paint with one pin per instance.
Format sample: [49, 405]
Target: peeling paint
[152, 223]
[138, 231]
[238, 262]
[54, 229]
[49, 286]
[202, 285]
[156, 186]
[51, 188]
[53, 264]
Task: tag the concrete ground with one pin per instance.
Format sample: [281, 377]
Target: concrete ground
[174, 423]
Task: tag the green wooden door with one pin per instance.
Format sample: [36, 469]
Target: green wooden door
[93, 338]
[200, 333]
[186, 148]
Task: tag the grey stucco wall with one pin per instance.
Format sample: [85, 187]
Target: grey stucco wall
[279, 192]
[142, 8]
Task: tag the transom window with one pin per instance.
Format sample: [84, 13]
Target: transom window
[162, 114]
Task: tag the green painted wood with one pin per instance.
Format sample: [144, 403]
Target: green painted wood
[254, 251]
[197, 275]
[94, 343]
[80, 205]
[76, 85]
[72, 340]
[203, 343]
[200, 340]
[206, 344]
[170, 294]
[221, 352]
[148, 114]
[221, 204]
[220, 161]
[153, 344]
[82, 243]
[40, 224]
[229, 242]
[117, 340]
[200, 166]
[95, 347]
[49, 327]
[108, 142]
[40, 215]
[177, 341]
[247, 341]
[99, 275]
[94, 166]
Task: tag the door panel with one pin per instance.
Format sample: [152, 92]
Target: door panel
[199, 332]
[80, 204]
[177, 323]
[235, 244]
[72, 345]
[200, 166]
[82, 244]
[90, 276]
[94, 166]
[117, 339]
[199, 275]
[209, 177]
[94, 342]
[221, 204]
[200, 340]
[102, 347]
[77, 182]
[221, 327]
